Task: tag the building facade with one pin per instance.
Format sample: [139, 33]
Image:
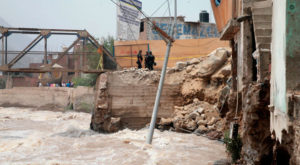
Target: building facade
[184, 30]
[265, 69]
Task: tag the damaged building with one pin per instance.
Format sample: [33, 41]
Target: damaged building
[264, 39]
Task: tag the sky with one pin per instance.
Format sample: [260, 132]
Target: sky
[96, 16]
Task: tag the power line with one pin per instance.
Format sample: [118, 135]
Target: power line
[169, 8]
[149, 20]
[121, 7]
[159, 7]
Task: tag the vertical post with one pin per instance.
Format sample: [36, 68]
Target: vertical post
[2, 62]
[148, 47]
[80, 59]
[84, 53]
[113, 51]
[161, 82]
[45, 49]
[131, 56]
[5, 61]
[234, 65]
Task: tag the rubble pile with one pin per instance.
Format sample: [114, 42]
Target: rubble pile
[192, 99]
[138, 76]
[202, 81]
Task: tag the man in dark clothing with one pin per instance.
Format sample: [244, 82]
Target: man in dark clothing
[139, 59]
[151, 61]
[147, 60]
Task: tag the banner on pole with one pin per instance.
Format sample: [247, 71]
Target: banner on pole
[128, 19]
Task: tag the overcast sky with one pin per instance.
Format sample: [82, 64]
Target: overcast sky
[96, 16]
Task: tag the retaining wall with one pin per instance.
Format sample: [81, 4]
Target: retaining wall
[52, 98]
[125, 100]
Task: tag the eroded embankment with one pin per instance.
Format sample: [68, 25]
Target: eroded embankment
[190, 100]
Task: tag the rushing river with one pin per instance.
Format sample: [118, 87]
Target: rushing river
[29, 136]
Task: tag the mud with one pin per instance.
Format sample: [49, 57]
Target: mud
[45, 137]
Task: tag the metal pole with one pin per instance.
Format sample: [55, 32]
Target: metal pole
[161, 82]
[5, 61]
[45, 49]
[84, 53]
[131, 56]
[2, 62]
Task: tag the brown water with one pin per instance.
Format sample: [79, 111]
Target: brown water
[45, 137]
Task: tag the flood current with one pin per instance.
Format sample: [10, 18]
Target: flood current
[29, 136]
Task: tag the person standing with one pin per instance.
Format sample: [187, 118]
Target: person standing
[147, 60]
[151, 61]
[139, 59]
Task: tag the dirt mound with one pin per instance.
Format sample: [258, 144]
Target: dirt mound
[138, 76]
[201, 81]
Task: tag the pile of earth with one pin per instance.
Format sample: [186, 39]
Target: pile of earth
[202, 82]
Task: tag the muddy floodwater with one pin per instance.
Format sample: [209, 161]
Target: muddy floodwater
[29, 136]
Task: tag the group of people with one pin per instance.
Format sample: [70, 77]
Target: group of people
[62, 84]
[149, 60]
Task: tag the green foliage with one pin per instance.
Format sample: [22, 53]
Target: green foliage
[108, 43]
[93, 59]
[233, 146]
[93, 62]
[69, 107]
[2, 83]
[89, 80]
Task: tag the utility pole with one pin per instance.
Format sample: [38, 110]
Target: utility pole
[170, 40]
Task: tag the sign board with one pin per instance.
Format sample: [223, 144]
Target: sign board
[128, 19]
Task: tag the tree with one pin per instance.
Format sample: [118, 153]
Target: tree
[108, 43]
[93, 61]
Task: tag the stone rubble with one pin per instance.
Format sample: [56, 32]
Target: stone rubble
[200, 81]
[201, 92]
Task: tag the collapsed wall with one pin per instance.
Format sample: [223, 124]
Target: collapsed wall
[127, 98]
[190, 100]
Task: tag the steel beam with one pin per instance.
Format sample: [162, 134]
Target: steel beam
[5, 55]
[54, 33]
[2, 62]
[60, 56]
[44, 33]
[84, 52]
[44, 70]
[92, 39]
[26, 50]
[38, 29]
[45, 49]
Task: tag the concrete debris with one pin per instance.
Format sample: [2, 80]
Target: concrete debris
[201, 94]
[199, 83]
[180, 66]
[194, 61]
[200, 117]
[138, 76]
[215, 60]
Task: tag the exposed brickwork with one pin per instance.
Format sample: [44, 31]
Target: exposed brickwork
[25, 81]
[101, 118]
[296, 154]
[256, 125]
